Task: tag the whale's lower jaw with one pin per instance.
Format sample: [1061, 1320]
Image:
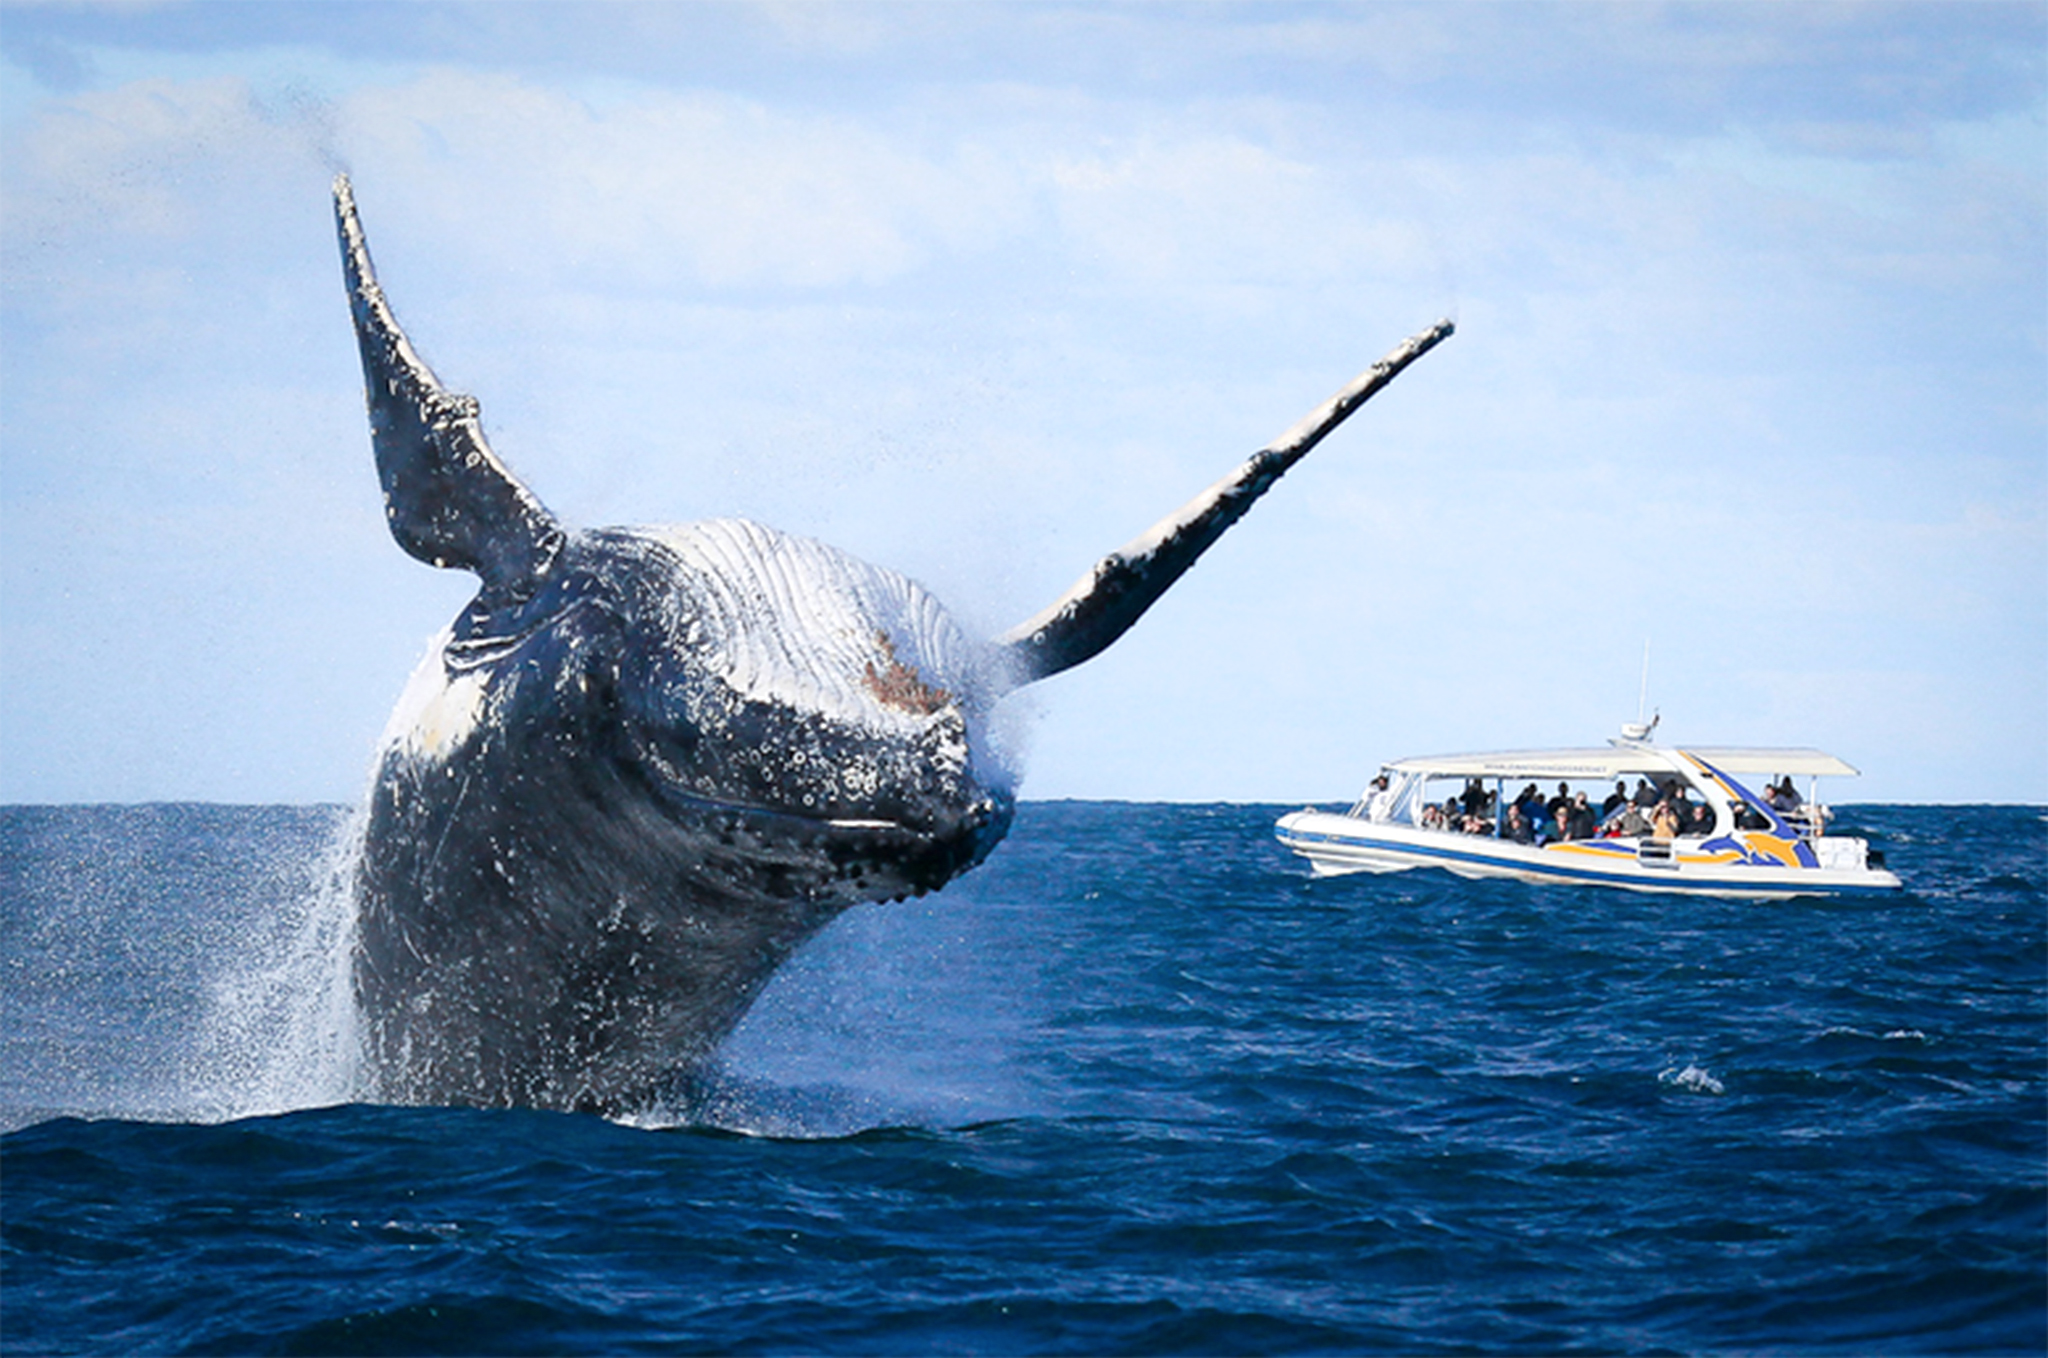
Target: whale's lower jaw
[585, 947]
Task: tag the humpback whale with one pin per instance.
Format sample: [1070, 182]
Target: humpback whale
[644, 765]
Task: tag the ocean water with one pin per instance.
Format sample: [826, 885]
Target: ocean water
[1137, 1085]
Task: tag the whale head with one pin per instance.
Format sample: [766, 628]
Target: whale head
[734, 674]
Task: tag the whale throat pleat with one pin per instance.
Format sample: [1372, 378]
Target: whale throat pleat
[791, 620]
[1103, 604]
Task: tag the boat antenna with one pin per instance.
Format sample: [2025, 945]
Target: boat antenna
[1636, 730]
[1643, 693]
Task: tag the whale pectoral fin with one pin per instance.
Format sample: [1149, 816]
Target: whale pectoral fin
[1103, 604]
[448, 499]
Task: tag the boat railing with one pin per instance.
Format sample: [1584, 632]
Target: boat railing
[1809, 821]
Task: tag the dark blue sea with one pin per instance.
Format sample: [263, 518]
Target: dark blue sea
[1137, 1085]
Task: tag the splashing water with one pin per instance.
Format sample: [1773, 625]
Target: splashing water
[178, 962]
[280, 1030]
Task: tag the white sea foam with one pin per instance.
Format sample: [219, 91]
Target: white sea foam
[1894, 1035]
[1693, 1079]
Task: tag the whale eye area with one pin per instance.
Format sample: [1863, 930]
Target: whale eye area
[897, 685]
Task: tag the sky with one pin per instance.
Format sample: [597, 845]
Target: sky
[1750, 377]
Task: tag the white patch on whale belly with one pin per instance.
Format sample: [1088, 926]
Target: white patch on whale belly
[437, 712]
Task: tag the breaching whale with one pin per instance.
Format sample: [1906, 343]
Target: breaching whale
[644, 765]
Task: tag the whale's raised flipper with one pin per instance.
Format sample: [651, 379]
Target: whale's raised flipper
[1103, 604]
[448, 499]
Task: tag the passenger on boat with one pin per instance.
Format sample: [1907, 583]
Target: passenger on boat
[1451, 816]
[1748, 817]
[1646, 796]
[1580, 822]
[1702, 820]
[1616, 798]
[1783, 796]
[1379, 802]
[1664, 821]
[1631, 823]
[1518, 829]
[1477, 801]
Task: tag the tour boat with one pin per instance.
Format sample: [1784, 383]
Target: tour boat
[1696, 826]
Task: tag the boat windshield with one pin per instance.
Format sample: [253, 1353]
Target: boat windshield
[1389, 797]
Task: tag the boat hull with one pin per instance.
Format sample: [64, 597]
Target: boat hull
[1337, 845]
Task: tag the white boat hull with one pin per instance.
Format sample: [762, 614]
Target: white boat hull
[1749, 867]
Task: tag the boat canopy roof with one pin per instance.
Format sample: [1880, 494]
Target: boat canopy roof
[1621, 759]
[1813, 763]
